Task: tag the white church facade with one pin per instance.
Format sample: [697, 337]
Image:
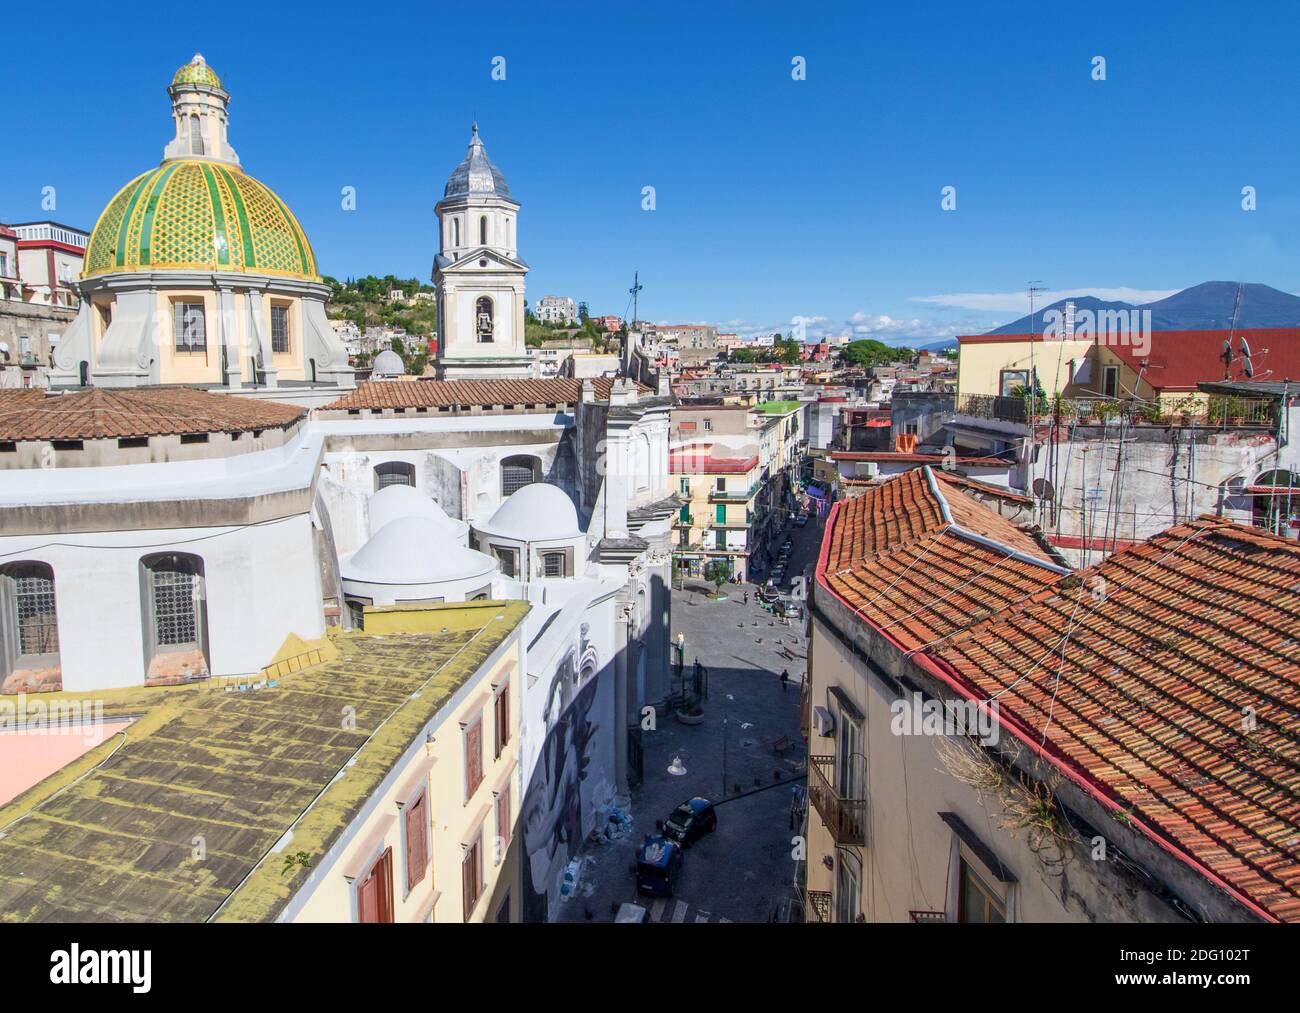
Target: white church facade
[165, 521]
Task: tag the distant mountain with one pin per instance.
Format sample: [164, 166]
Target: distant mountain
[1204, 307]
[936, 346]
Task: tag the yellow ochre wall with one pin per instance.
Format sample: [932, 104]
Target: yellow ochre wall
[440, 765]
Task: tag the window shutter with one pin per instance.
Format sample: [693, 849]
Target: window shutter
[375, 891]
[502, 721]
[503, 818]
[417, 842]
[470, 878]
[473, 757]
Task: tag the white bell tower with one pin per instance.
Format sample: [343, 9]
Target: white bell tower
[479, 274]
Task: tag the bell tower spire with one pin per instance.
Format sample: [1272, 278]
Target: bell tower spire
[478, 273]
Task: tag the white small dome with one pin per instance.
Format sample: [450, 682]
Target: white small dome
[538, 511]
[407, 551]
[393, 502]
[388, 363]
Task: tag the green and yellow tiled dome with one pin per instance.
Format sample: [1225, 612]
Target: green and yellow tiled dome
[197, 72]
[197, 215]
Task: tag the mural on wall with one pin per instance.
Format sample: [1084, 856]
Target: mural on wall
[573, 779]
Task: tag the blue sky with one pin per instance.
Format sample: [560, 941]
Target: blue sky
[776, 199]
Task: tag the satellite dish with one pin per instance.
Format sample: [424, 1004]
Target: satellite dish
[1227, 351]
[1043, 489]
[1245, 348]
[1250, 370]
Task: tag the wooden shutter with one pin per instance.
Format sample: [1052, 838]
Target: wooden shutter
[417, 841]
[473, 757]
[471, 878]
[502, 720]
[375, 891]
[503, 818]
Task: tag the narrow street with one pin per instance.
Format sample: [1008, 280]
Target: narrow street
[742, 871]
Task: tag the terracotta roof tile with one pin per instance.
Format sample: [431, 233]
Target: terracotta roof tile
[902, 554]
[134, 412]
[382, 394]
[1149, 686]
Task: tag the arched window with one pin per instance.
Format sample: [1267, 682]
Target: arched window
[519, 471]
[553, 564]
[483, 325]
[394, 473]
[455, 232]
[29, 622]
[482, 231]
[1271, 499]
[196, 136]
[176, 617]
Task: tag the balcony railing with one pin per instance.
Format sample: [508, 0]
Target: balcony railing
[733, 495]
[819, 905]
[929, 917]
[845, 818]
[986, 406]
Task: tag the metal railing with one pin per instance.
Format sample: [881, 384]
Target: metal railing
[986, 406]
[819, 903]
[928, 917]
[845, 818]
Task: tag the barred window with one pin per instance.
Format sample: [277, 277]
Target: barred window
[553, 564]
[394, 473]
[279, 328]
[517, 472]
[32, 585]
[175, 589]
[191, 332]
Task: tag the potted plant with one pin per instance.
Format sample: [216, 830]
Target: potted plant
[1152, 414]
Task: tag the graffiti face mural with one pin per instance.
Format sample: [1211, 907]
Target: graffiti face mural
[573, 777]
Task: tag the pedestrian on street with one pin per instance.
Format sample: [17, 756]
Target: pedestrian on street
[785, 678]
[746, 597]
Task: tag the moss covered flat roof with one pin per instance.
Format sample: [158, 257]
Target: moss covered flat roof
[111, 837]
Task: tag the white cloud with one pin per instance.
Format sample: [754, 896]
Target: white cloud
[1018, 302]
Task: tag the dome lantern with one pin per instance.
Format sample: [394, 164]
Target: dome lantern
[200, 109]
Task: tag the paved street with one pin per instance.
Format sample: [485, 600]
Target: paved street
[741, 872]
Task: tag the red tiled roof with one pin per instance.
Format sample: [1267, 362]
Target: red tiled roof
[1147, 686]
[1179, 360]
[486, 393]
[920, 560]
[134, 412]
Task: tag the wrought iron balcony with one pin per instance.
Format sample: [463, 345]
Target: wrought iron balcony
[845, 818]
[819, 905]
[929, 917]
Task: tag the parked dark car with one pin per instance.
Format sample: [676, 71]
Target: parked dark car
[658, 862]
[800, 520]
[690, 821]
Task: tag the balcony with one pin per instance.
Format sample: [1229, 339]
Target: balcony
[733, 496]
[819, 905]
[928, 917]
[986, 406]
[845, 818]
